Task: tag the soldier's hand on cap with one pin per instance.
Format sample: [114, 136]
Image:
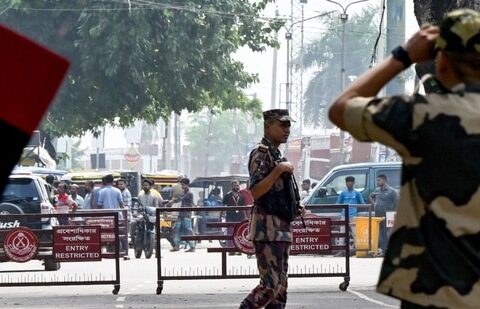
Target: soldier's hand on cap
[285, 167]
[421, 46]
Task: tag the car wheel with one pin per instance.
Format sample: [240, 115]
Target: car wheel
[10, 209]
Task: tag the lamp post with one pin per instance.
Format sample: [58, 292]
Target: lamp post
[344, 19]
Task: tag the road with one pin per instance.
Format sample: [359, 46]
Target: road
[138, 284]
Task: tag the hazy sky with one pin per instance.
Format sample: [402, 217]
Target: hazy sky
[261, 63]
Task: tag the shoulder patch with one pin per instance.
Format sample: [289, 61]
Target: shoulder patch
[262, 147]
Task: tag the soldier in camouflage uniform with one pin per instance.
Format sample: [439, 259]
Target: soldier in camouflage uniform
[433, 258]
[271, 234]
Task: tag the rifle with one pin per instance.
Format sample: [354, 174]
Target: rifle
[291, 182]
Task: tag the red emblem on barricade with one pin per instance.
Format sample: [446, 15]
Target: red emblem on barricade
[20, 244]
[240, 238]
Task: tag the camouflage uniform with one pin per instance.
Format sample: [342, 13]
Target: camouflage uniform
[433, 258]
[271, 237]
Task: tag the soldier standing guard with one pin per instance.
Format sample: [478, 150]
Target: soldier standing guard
[270, 228]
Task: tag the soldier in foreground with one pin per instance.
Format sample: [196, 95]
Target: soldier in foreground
[432, 259]
[272, 213]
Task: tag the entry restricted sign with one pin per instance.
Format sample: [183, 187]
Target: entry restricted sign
[76, 244]
[314, 238]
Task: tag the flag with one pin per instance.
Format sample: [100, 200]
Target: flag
[30, 75]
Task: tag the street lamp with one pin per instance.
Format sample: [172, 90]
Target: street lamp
[344, 19]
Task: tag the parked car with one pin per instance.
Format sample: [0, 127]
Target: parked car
[329, 188]
[29, 194]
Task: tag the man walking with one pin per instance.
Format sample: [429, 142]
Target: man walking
[270, 228]
[433, 254]
[183, 225]
[383, 198]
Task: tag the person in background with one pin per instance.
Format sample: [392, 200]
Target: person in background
[127, 202]
[314, 184]
[75, 196]
[63, 203]
[305, 188]
[383, 198]
[110, 197]
[350, 197]
[233, 198]
[87, 200]
[146, 196]
[183, 226]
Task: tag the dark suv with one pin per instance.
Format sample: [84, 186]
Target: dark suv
[28, 194]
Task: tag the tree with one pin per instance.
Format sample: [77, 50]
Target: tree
[143, 61]
[433, 11]
[215, 138]
[324, 55]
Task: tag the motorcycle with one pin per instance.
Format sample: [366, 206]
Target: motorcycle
[143, 235]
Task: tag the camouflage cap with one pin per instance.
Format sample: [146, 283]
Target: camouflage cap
[460, 32]
[279, 114]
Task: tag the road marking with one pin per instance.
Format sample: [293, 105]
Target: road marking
[365, 297]
[118, 306]
[122, 298]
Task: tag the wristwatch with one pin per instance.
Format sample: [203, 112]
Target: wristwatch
[401, 54]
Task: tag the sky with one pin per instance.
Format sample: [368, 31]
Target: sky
[261, 63]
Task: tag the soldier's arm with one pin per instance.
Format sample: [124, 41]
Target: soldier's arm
[266, 183]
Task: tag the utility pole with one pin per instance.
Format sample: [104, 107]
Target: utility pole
[273, 95]
[344, 19]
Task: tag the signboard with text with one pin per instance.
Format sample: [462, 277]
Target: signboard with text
[314, 238]
[75, 244]
[106, 224]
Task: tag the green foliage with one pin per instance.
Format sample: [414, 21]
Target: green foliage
[229, 136]
[143, 63]
[324, 55]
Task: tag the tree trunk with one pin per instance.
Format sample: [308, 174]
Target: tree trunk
[433, 11]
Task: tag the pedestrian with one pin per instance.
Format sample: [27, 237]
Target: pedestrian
[146, 197]
[87, 200]
[63, 203]
[110, 197]
[183, 225]
[77, 198]
[384, 199]
[127, 203]
[305, 188]
[233, 198]
[270, 228]
[351, 197]
[433, 254]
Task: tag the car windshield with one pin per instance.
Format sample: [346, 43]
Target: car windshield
[20, 188]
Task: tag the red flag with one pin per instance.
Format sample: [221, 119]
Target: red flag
[30, 75]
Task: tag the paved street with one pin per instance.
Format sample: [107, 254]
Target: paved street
[138, 285]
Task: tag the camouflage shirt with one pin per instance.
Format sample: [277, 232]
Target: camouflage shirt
[265, 227]
[433, 257]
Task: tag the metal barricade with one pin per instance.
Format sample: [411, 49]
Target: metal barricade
[312, 240]
[87, 236]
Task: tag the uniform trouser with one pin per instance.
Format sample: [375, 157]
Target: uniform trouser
[272, 263]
